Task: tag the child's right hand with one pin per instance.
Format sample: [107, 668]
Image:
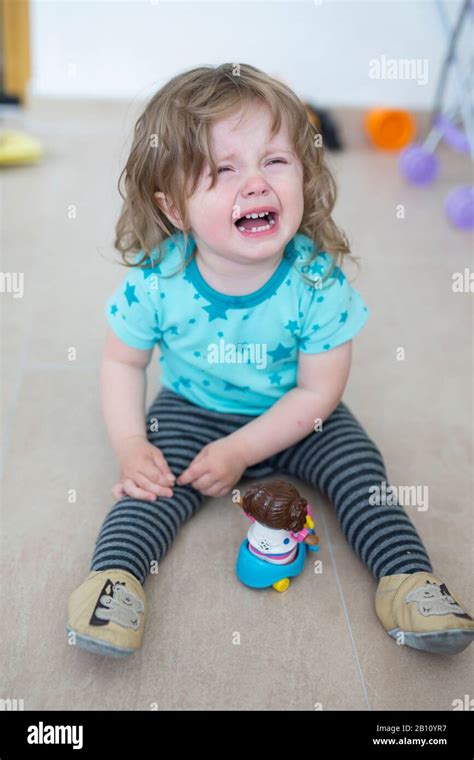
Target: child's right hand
[143, 471]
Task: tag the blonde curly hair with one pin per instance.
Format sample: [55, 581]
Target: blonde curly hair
[172, 143]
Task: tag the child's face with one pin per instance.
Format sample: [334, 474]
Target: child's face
[261, 173]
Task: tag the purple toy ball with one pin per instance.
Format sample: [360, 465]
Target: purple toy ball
[418, 166]
[452, 135]
[459, 207]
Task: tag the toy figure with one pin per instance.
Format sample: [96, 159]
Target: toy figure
[281, 531]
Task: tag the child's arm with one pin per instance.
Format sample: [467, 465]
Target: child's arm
[123, 386]
[321, 381]
[144, 471]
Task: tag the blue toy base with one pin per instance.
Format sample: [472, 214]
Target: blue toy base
[257, 573]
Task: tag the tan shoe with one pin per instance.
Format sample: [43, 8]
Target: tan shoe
[418, 609]
[106, 613]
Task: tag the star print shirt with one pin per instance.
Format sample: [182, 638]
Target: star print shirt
[236, 354]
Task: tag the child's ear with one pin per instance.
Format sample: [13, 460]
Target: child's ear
[168, 209]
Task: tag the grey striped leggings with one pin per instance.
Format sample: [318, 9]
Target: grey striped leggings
[341, 461]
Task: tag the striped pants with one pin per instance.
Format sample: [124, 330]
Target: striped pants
[341, 461]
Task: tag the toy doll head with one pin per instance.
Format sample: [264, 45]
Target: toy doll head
[276, 504]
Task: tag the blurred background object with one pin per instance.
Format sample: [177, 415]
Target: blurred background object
[16, 147]
[15, 62]
[452, 119]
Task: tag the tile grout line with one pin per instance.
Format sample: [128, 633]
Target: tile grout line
[346, 615]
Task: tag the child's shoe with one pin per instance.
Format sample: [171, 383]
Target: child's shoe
[106, 613]
[418, 609]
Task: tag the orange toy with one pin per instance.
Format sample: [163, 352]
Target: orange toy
[390, 130]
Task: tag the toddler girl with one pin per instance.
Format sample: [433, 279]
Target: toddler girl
[235, 272]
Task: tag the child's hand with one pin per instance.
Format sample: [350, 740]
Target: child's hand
[217, 467]
[143, 471]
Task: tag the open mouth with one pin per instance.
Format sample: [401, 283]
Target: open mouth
[263, 223]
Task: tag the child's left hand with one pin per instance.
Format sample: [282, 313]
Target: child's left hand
[217, 467]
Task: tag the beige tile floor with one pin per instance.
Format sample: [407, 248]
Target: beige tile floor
[318, 643]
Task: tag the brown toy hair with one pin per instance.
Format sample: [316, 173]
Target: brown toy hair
[276, 504]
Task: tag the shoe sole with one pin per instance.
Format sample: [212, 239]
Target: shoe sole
[95, 646]
[441, 642]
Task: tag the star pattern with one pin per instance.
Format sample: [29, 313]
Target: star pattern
[151, 271]
[280, 352]
[302, 343]
[130, 294]
[275, 378]
[216, 311]
[322, 321]
[338, 275]
[292, 326]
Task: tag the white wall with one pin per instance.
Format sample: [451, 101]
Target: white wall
[322, 48]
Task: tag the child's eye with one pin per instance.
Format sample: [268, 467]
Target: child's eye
[272, 161]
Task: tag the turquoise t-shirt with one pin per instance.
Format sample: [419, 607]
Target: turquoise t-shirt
[234, 353]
